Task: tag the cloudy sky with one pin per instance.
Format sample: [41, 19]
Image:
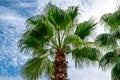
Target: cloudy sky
[13, 14]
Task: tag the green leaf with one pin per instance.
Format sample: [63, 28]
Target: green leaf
[67, 49]
[85, 54]
[72, 11]
[56, 16]
[73, 39]
[109, 59]
[116, 72]
[112, 19]
[84, 29]
[43, 30]
[61, 19]
[40, 27]
[105, 39]
[35, 67]
[30, 45]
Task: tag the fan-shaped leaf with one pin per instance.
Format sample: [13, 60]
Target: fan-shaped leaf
[113, 20]
[109, 59]
[67, 49]
[116, 72]
[33, 21]
[29, 44]
[56, 16]
[73, 39]
[72, 12]
[84, 29]
[85, 54]
[61, 19]
[105, 39]
[35, 67]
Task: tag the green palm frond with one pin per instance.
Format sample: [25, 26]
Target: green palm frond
[72, 12]
[35, 38]
[112, 19]
[67, 49]
[85, 54]
[35, 67]
[56, 16]
[73, 39]
[109, 59]
[105, 39]
[33, 21]
[61, 19]
[30, 45]
[43, 29]
[84, 29]
[116, 72]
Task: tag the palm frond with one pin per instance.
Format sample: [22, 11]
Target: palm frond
[109, 59]
[67, 49]
[73, 39]
[84, 29]
[72, 12]
[112, 19]
[56, 16]
[35, 38]
[85, 54]
[35, 67]
[31, 45]
[105, 39]
[43, 29]
[116, 72]
[33, 21]
[61, 19]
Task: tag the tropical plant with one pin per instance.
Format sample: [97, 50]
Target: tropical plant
[50, 37]
[111, 40]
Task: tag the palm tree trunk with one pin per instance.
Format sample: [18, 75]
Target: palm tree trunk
[60, 66]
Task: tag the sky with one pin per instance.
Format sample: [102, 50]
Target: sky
[13, 14]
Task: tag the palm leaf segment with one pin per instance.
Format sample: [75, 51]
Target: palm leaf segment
[59, 18]
[85, 55]
[84, 29]
[49, 32]
[116, 72]
[113, 20]
[106, 39]
[110, 58]
[36, 66]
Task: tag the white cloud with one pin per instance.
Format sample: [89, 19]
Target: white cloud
[99, 8]
[11, 78]
[11, 17]
[27, 4]
[90, 73]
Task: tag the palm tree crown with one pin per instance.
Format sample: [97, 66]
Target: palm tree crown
[52, 34]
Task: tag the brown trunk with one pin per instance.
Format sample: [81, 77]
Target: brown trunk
[60, 66]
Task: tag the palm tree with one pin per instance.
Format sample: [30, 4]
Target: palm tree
[50, 37]
[111, 40]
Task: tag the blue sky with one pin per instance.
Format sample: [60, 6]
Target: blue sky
[13, 14]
